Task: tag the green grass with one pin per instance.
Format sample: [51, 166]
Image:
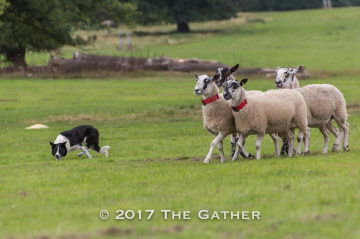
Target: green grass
[153, 124]
[320, 39]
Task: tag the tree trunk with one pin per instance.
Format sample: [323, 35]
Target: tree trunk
[17, 56]
[183, 27]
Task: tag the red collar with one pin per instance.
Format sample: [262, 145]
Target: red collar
[210, 100]
[239, 107]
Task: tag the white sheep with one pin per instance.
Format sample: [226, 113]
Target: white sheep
[267, 113]
[324, 103]
[224, 75]
[217, 113]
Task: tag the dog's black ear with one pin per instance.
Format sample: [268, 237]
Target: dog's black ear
[64, 143]
[234, 68]
[243, 81]
[52, 145]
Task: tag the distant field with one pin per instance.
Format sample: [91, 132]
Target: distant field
[153, 124]
[319, 39]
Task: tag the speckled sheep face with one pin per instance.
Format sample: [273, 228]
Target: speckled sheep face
[225, 74]
[285, 76]
[232, 90]
[202, 85]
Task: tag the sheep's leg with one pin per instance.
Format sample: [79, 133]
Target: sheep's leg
[276, 144]
[332, 128]
[241, 149]
[285, 145]
[215, 142]
[307, 141]
[258, 145]
[221, 149]
[346, 136]
[234, 140]
[325, 134]
[336, 145]
[288, 135]
[299, 140]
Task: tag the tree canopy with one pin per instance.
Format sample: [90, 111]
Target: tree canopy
[43, 25]
[181, 12]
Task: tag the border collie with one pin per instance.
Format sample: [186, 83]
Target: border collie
[74, 139]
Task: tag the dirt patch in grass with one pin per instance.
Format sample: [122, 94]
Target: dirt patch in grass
[193, 158]
[149, 115]
[113, 231]
[7, 100]
[71, 118]
[353, 108]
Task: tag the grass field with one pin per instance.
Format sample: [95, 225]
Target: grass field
[319, 39]
[153, 124]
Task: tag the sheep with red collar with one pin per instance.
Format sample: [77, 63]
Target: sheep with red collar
[224, 75]
[217, 113]
[267, 113]
[324, 103]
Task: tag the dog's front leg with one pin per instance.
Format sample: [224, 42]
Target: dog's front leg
[84, 150]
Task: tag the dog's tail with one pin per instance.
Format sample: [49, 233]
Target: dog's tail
[104, 150]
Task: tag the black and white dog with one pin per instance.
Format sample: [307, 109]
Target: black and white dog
[73, 139]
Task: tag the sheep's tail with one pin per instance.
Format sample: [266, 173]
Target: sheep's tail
[104, 150]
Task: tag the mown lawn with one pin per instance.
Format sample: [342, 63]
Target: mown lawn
[153, 124]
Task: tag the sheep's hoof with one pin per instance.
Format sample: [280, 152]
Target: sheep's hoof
[335, 147]
[346, 148]
[307, 153]
[80, 154]
[251, 156]
[206, 160]
[243, 155]
[234, 159]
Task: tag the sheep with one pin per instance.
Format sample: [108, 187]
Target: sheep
[217, 113]
[324, 103]
[267, 113]
[225, 74]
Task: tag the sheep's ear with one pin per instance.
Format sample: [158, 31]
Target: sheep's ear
[215, 78]
[234, 68]
[277, 69]
[243, 81]
[296, 70]
[197, 77]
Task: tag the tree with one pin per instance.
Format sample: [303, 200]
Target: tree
[44, 25]
[181, 12]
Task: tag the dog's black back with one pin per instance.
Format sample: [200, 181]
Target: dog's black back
[76, 136]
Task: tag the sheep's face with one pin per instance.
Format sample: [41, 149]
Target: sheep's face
[285, 77]
[232, 90]
[225, 74]
[203, 84]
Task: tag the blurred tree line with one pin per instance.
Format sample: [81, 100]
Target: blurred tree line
[285, 5]
[45, 25]
[181, 12]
